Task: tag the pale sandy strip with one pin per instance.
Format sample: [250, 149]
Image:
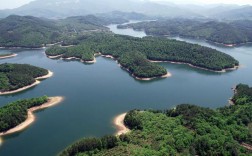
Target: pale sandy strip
[27, 87]
[52, 57]
[20, 89]
[119, 123]
[108, 56]
[222, 71]
[9, 56]
[30, 116]
[50, 74]
[148, 79]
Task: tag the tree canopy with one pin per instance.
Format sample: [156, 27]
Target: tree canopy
[15, 76]
[15, 113]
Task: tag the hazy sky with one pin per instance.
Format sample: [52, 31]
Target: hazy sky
[8, 4]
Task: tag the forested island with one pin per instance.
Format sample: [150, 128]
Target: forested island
[136, 54]
[18, 115]
[18, 77]
[227, 33]
[184, 130]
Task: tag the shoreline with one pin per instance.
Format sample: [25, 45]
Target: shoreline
[52, 101]
[221, 71]
[8, 56]
[73, 58]
[50, 74]
[52, 57]
[152, 78]
[168, 74]
[119, 124]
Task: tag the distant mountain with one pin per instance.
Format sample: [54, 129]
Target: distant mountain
[244, 12]
[66, 8]
[123, 15]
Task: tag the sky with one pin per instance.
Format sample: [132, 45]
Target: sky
[10, 4]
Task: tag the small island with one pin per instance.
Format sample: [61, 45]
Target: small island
[184, 130]
[4, 56]
[18, 115]
[138, 55]
[19, 77]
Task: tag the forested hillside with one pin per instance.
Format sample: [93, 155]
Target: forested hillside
[184, 130]
[15, 76]
[33, 32]
[134, 53]
[15, 113]
[236, 32]
[27, 31]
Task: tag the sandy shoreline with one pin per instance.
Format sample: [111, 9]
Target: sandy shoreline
[108, 56]
[8, 56]
[30, 86]
[20, 89]
[1, 141]
[119, 123]
[50, 74]
[222, 71]
[152, 78]
[31, 117]
[52, 57]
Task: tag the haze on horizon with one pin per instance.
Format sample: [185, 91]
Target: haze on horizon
[10, 4]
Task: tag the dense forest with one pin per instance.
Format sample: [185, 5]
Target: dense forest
[33, 32]
[134, 53]
[235, 32]
[15, 76]
[184, 130]
[15, 113]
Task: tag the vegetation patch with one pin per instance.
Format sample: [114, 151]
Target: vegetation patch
[15, 76]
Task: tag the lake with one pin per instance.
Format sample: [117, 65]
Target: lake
[95, 94]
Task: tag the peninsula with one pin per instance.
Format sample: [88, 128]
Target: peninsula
[19, 77]
[184, 130]
[136, 54]
[18, 115]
